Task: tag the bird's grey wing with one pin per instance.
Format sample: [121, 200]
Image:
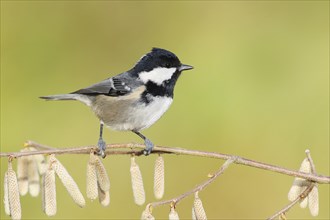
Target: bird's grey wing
[115, 86]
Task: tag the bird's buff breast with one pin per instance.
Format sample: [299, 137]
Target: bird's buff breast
[127, 113]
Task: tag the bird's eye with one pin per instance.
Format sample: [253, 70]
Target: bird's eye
[167, 65]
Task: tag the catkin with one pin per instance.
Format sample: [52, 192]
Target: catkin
[296, 189]
[104, 197]
[67, 181]
[199, 209]
[5, 195]
[22, 174]
[102, 176]
[13, 193]
[33, 177]
[40, 161]
[159, 179]
[91, 181]
[173, 214]
[137, 183]
[313, 201]
[299, 184]
[49, 193]
[305, 166]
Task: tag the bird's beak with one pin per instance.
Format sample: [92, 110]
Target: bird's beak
[185, 67]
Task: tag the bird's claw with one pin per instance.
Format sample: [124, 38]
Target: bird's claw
[102, 146]
[149, 147]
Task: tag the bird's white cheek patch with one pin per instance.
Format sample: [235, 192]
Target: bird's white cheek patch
[157, 75]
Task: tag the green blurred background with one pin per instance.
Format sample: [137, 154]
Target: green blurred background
[260, 89]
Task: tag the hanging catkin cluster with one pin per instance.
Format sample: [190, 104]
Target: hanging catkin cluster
[49, 187]
[137, 183]
[98, 183]
[29, 170]
[11, 194]
[300, 185]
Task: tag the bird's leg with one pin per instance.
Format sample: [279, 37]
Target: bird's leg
[147, 142]
[101, 143]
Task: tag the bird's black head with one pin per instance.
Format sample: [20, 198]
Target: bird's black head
[158, 58]
[159, 71]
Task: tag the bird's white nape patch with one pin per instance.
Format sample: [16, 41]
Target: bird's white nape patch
[157, 75]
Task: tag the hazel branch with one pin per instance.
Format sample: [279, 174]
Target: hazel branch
[132, 148]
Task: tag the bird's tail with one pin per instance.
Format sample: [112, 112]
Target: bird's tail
[72, 96]
[60, 97]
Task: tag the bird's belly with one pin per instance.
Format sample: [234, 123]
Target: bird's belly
[127, 115]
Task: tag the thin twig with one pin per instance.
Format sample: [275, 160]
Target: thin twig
[131, 148]
[294, 202]
[199, 187]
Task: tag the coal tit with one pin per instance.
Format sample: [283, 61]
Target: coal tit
[135, 99]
